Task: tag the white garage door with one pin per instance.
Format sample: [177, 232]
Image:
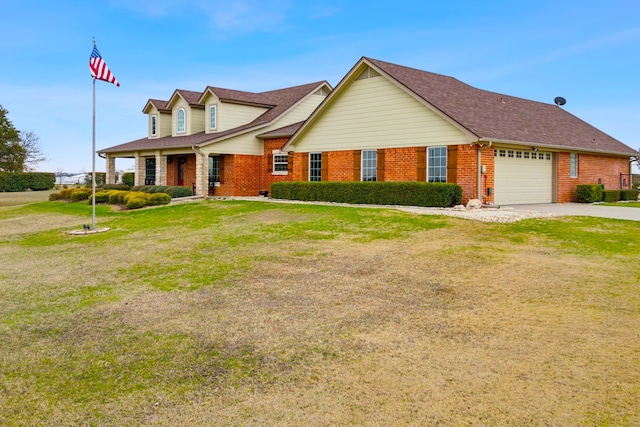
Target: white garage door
[523, 177]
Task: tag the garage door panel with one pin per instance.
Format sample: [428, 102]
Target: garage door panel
[521, 178]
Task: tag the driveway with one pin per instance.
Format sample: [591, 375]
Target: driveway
[582, 209]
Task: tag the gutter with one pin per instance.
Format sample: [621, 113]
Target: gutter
[557, 147]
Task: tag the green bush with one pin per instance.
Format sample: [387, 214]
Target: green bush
[23, 181]
[610, 196]
[159, 199]
[175, 192]
[143, 188]
[136, 202]
[114, 187]
[79, 194]
[128, 179]
[116, 197]
[589, 193]
[135, 195]
[428, 194]
[65, 193]
[629, 195]
[101, 197]
[54, 196]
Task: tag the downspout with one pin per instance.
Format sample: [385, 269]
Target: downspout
[481, 148]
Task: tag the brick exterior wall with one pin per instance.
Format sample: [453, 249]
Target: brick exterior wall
[592, 169]
[340, 167]
[268, 177]
[189, 170]
[241, 175]
[400, 164]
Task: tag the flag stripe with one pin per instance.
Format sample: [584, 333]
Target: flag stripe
[99, 69]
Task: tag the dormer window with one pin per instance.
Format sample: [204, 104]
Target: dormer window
[154, 125]
[180, 128]
[213, 117]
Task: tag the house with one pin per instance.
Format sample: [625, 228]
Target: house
[386, 122]
[207, 140]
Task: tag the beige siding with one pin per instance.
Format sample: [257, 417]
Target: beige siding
[375, 113]
[164, 124]
[301, 111]
[180, 103]
[153, 111]
[196, 124]
[234, 115]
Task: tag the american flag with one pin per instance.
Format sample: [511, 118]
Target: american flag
[99, 69]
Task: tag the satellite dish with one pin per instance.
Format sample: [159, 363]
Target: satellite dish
[560, 101]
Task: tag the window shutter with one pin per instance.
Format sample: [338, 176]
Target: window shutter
[422, 164]
[380, 165]
[452, 163]
[305, 166]
[290, 163]
[270, 163]
[324, 167]
[357, 156]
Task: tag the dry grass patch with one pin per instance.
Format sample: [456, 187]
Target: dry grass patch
[321, 316]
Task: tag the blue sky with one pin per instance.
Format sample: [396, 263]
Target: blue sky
[586, 51]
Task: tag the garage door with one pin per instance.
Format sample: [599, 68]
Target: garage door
[523, 177]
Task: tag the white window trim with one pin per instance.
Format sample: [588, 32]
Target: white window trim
[214, 108]
[571, 172]
[362, 164]
[184, 124]
[446, 161]
[153, 117]
[273, 167]
[309, 167]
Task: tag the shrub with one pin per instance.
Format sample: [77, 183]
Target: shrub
[65, 193]
[136, 201]
[114, 187]
[143, 188]
[135, 194]
[116, 197]
[23, 181]
[54, 196]
[101, 197]
[429, 194]
[610, 196]
[175, 192]
[629, 195]
[128, 179]
[79, 194]
[159, 199]
[589, 193]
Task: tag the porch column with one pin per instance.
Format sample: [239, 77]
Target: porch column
[161, 169]
[111, 170]
[139, 169]
[202, 173]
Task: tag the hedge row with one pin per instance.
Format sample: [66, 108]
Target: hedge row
[131, 199]
[173, 191]
[18, 182]
[428, 194]
[591, 193]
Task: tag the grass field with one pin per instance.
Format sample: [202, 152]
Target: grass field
[255, 314]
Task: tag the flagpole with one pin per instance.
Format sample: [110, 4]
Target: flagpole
[93, 158]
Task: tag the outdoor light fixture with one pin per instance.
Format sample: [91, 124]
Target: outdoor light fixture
[534, 148]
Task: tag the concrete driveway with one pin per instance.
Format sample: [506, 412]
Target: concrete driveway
[582, 209]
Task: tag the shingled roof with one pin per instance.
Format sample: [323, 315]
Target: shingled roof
[496, 117]
[280, 101]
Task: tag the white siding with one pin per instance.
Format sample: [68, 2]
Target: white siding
[375, 113]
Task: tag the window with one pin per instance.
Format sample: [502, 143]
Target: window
[180, 128]
[315, 166]
[154, 125]
[150, 171]
[213, 112]
[369, 165]
[437, 164]
[573, 165]
[518, 154]
[280, 164]
[510, 153]
[214, 170]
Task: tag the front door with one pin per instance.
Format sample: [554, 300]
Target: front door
[182, 160]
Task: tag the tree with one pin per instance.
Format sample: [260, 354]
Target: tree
[19, 151]
[12, 154]
[34, 155]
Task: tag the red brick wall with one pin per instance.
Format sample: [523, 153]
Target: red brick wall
[189, 170]
[400, 164]
[340, 166]
[267, 171]
[241, 175]
[592, 169]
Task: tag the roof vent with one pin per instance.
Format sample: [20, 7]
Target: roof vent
[560, 101]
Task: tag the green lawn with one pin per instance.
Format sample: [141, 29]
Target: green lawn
[623, 204]
[252, 313]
